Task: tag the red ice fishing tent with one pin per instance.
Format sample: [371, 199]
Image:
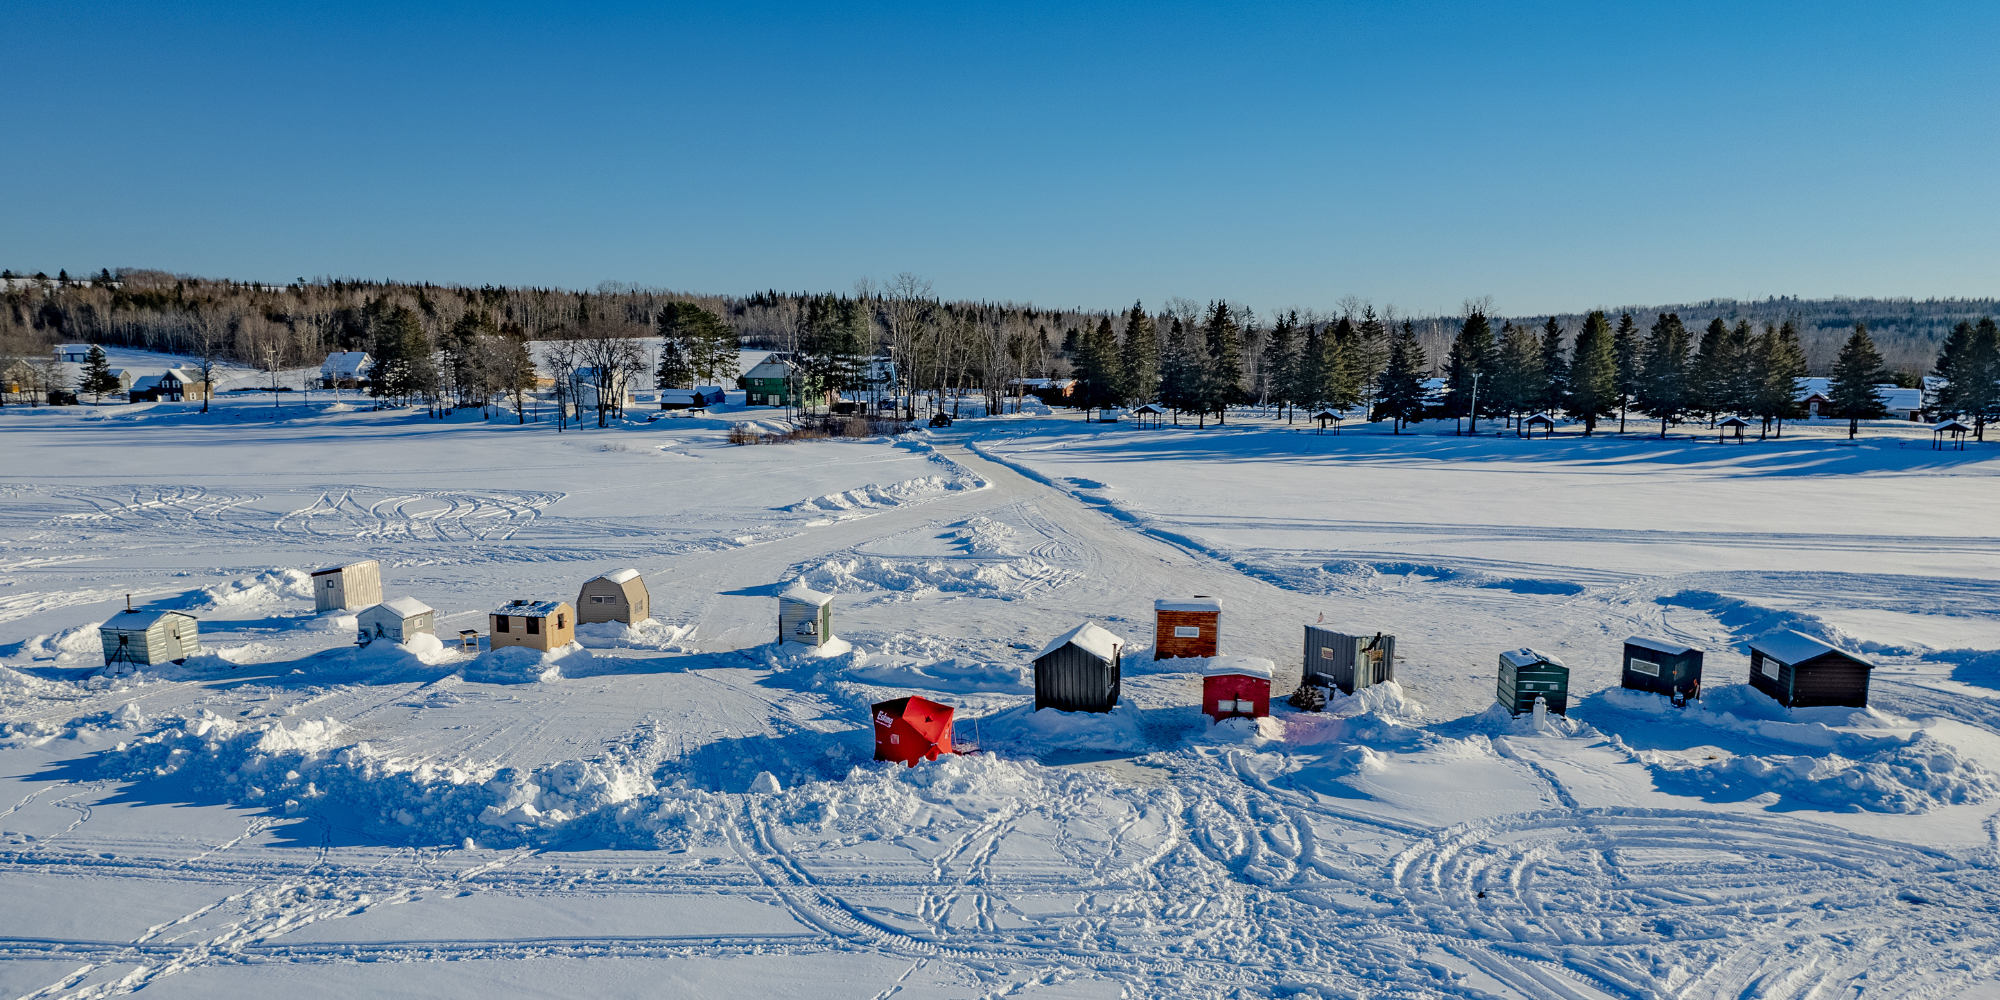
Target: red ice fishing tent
[1236, 687]
[912, 729]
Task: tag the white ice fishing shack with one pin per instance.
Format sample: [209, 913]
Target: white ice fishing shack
[145, 638]
[355, 585]
[804, 615]
[397, 620]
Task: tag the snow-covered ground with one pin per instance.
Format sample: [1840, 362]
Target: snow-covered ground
[683, 807]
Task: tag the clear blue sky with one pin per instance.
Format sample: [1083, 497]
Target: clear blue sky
[1553, 156]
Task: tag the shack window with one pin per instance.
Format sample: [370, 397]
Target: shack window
[534, 625]
[499, 623]
[1186, 632]
[1771, 668]
[597, 600]
[329, 584]
[1639, 666]
[559, 622]
[1326, 652]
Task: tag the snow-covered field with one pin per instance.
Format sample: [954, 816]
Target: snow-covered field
[682, 807]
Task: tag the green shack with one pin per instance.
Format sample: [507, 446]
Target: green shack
[1527, 674]
[770, 383]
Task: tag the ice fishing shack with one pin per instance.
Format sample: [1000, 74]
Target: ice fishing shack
[911, 729]
[542, 625]
[1078, 671]
[1803, 672]
[618, 596]
[1186, 627]
[1348, 662]
[1236, 687]
[1662, 667]
[1527, 674]
[804, 615]
[144, 638]
[355, 585]
[398, 620]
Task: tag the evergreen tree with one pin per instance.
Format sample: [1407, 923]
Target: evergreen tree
[1281, 359]
[1593, 373]
[1555, 370]
[1664, 390]
[1222, 382]
[1342, 365]
[97, 377]
[1776, 362]
[1401, 387]
[1627, 351]
[1309, 370]
[1951, 364]
[675, 370]
[1370, 355]
[1740, 382]
[1709, 373]
[707, 343]
[1517, 383]
[1138, 358]
[1097, 369]
[518, 373]
[1856, 373]
[1181, 370]
[1470, 353]
[1981, 375]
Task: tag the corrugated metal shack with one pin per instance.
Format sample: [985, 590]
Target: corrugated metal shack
[804, 615]
[144, 638]
[396, 619]
[1803, 672]
[1348, 662]
[1079, 670]
[355, 585]
[1527, 674]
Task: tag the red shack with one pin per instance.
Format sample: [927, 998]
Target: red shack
[912, 729]
[1236, 686]
[1186, 628]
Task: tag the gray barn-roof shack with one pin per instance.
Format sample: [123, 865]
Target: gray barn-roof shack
[1078, 671]
[1803, 672]
[355, 585]
[397, 620]
[144, 638]
[804, 615]
[1527, 674]
[1662, 667]
[618, 596]
[1348, 662]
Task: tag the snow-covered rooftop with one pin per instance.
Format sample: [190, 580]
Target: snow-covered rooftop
[1188, 604]
[1795, 647]
[410, 607]
[805, 595]
[139, 621]
[1254, 666]
[1526, 657]
[620, 575]
[1090, 637]
[347, 364]
[529, 609]
[344, 566]
[1658, 645]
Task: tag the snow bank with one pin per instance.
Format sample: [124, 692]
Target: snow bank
[71, 647]
[267, 587]
[1028, 731]
[958, 674]
[1346, 575]
[877, 496]
[646, 634]
[983, 536]
[912, 577]
[1740, 708]
[1379, 714]
[521, 665]
[1913, 776]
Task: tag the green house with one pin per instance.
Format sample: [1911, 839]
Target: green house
[770, 384]
[1527, 674]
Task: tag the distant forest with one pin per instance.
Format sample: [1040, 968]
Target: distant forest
[938, 344]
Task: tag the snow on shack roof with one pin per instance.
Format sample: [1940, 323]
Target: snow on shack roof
[345, 566]
[1658, 645]
[805, 595]
[1090, 637]
[529, 609]
[1197, 603]
[408, 607]
[1253, 666]
[1795, 647]
[625, 575]
[1526, 657]
[139, 621]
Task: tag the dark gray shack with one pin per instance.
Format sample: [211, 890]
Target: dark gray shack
[1803, 672]
[1348, 662]
[1662, 667]
[1078, 671]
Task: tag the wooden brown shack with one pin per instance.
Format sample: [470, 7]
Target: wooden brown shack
[542, 625]
[1188, 627]
[1803, 672]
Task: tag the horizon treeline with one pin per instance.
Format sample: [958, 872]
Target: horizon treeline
[939, 345]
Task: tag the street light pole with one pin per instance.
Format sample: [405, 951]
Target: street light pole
[1472, 413]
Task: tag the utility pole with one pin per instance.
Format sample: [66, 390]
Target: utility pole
[1472, 412]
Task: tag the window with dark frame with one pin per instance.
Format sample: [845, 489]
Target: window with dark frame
[534, 625]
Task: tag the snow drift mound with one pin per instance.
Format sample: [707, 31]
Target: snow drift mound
[1005, 580]
[877, 496]
[647, 634]
[1911, 777]
[1025, 730]
[268, 587]
[1347, 576]
[521, 665]
[1740, 708]
[959, 674]
[77, 646]
[1376, 715]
